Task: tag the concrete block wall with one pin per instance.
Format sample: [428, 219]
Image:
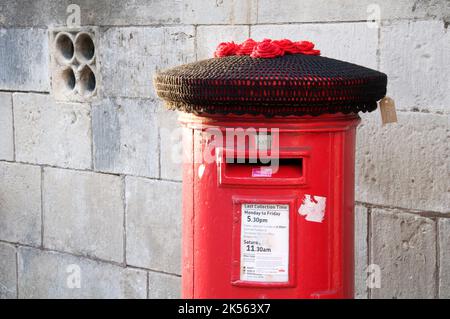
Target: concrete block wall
[89, 193]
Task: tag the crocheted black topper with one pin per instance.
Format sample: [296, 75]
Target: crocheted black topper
[288, 85]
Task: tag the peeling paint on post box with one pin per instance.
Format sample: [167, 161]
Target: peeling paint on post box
[313, 208]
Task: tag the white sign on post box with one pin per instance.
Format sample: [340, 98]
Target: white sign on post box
[265, 242]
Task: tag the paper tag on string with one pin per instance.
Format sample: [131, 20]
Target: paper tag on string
[387, 109]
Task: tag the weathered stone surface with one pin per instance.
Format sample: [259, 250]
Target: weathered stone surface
[125, 134]
[335, 10]
[361, 257]
[352, 42]
[171, 146]
[130, 12]
[208, 37]
[444, 258]
[131, 56]
[100, 12]
[8, 276]
[153, 223]
[404, 246]
[6, 127]
[45, 274]
[220, 12]
[20, 203]
[24, 59]
[51, 133]
[162, 286]
[83, 213]
[404, 164]
[415, 56]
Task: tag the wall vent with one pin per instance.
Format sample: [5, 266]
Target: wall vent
[74, 64]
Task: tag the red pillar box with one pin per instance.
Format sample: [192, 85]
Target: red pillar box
[268, 182]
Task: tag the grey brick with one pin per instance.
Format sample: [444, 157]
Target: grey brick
[153, 223]
[444, 258]
[131, 56]
[20, 203]
[6, 127]
[404, 247]
[162, 286]
[335, 10]
[361, 252]
[404, 164]
[352, 42]
[24, 59]
[128, 12]
[171, 146]
[44, 274]
[8, 276]
[220, 12]
[51, 133]
[208, 37]
[415, 57]
[125, 134]
[83, 213]
[100, 12]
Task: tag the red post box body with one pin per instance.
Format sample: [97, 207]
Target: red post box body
[253, 232]
[252, 229]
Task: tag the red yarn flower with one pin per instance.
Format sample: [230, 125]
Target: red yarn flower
[304, 46]
[246, 47]
[226, 49]
[287, 46]
[266, 49]
[307, 48]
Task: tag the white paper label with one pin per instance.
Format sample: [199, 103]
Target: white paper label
[265, 242]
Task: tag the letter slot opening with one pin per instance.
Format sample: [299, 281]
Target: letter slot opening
[283, 168]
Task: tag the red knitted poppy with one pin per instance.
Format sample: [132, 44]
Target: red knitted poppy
[226, 49]
[287, 46]
[246, 47]
[266, 49]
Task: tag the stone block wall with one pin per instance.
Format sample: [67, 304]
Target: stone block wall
[90, 197]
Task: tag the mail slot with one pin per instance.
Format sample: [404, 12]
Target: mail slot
[243, 168]
[285, 169]
[268, 173]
